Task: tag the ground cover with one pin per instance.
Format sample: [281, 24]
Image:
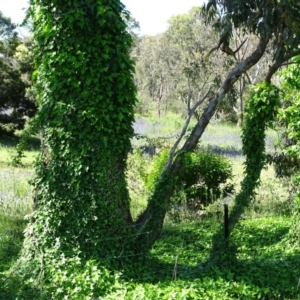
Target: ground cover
[267, 268]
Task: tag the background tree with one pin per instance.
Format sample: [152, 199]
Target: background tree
[15, 105]
[195, 74]
[155, 73]
[171, 69]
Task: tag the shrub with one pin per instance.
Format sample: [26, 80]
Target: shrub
[204, 177]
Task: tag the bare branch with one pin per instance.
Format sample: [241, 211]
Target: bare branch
[232, 77]
[240, 46]
[184, 129]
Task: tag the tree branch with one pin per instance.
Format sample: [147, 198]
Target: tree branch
[232, 77]
[164, 189]
[276, 65]
[184, 129]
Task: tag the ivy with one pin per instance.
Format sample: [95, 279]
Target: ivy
[86, 93]
[290, 117]
[260, 113]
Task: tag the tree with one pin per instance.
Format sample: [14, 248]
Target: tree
[15, 106]
[282, 33]
[254, 75]
[172, 69]
[156, 67]
[267, 23]
[87, 94]
[195, 72]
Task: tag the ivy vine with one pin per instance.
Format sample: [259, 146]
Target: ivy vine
[261, 111]
[86, 94]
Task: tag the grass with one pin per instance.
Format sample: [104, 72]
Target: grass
[268, 266]
[8, 150]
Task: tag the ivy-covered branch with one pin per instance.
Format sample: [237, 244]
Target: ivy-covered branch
[261, 111]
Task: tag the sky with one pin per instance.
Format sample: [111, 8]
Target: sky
[151, 14]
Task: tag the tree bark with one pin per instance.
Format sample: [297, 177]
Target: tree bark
[151, 221]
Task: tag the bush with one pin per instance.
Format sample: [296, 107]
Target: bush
[204, 177]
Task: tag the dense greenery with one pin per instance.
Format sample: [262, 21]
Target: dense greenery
[82, 239]
[203, 179]
[262, 251]
[290, 118]
[86, 94]
[15, 104]
[261, 258]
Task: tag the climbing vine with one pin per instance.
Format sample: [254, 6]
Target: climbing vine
[86, 94]
[260, 113]
[290, 117]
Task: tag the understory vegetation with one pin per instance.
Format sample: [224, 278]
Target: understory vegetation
[176, 268]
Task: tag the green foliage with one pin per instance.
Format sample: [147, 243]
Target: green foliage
[262, 251]
[86, 94]
[291, 147]
[70, 278]
[261, 111]
[156, 169]
[15, 105]
[267, 19]
[203, 178]
[203, 175]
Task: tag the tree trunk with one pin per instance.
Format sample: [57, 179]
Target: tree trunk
[87, 97]
[240, 104]
[151, 221]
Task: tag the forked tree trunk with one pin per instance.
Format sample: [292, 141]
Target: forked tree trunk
[87, 98]
[151, 221]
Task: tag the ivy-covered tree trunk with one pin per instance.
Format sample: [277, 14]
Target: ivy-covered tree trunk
[87, 98]
[261, 112]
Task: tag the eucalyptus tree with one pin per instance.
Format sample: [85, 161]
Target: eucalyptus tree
[155, 73]
[171, 68]
[274, 24]
[252, 76]
[195, 72]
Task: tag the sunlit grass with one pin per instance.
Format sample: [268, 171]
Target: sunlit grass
[15, 190]
[7, 153]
